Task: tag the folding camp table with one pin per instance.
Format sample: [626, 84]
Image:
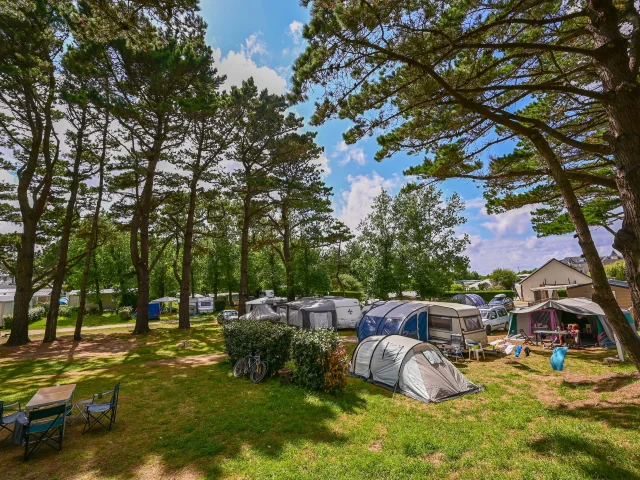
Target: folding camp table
[559, 333]
[48, 396]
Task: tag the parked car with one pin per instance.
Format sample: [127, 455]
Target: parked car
[227, 315]
[502, 300]
[494, 317]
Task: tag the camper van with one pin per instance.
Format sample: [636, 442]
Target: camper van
[425, 321]
[200, 305]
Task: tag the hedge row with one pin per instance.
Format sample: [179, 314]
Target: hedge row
[348, 294]
[321, 362]
[485, 294]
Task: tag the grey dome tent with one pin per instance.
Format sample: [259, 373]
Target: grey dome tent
[395, 317]
[414, 368]
[261, 312]
[472, 299]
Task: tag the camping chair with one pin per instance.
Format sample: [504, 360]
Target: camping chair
[528, 340]
[476, 348]
[99, 413]
[45, 427]
[455, 349]
[5, 421]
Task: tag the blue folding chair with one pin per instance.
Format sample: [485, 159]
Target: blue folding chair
[45, 427]
[102, 412]
[7, 422]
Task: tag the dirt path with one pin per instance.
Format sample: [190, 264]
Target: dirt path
[40, 331]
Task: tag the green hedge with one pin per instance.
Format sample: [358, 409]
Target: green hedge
[311, 351]
[220, 304]
[486, 294]
[272, 341]
[562, 293]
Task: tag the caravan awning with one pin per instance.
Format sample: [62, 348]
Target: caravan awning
[579, 306]
[165, 300]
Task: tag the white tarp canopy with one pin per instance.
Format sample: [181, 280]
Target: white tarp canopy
[164, 300]
[261, 312]
[414, 368]
[579, 306]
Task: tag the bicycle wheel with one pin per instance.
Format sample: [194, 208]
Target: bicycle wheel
[239, 368]
[258, 372]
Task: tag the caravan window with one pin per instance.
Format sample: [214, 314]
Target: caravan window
[320, 319]
[205, 304]
[411, 327]
[440, 323]
[473, 323]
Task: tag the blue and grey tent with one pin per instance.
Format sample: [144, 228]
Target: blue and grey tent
[411, 367]
[472, 299]
[399, 317]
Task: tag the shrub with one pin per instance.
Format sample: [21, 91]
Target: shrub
[219, 304]
[93, 310]
[562, 293]
[319, 359]
[35, 314]
[7, 321]
[64, 311]
[456, 287]
[272, 341]
[125, 313]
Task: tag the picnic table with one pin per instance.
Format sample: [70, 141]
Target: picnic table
[52, 396]
[559, 333]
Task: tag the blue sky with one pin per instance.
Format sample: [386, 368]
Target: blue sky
[261, 38]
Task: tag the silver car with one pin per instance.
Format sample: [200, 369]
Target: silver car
[494, 317]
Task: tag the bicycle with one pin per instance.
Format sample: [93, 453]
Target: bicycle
[252, 365]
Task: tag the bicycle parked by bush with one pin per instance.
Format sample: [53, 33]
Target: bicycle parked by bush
[252, 365]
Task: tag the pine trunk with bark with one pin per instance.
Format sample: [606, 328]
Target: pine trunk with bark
[185, 283]
[286, 253]
[244, 255]
[618, 73]
[603, 295]
[23, 278]
[61, 268]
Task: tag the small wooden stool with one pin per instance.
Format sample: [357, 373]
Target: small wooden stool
[286, 376]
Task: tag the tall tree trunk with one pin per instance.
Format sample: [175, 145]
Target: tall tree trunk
[603, 295]
[183, 312]
[286, 254]
[96, 285]
[244, 256]
[139, 244]
[61, 268]
[619, 79]
[338, 267]
[23, 277]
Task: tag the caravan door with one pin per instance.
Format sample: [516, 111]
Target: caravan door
[348, 316]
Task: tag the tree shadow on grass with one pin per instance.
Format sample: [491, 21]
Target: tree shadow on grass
[604, 459]
[193, 417]
[608, 384]
[614, 415]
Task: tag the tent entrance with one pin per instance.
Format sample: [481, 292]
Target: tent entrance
[588, 325]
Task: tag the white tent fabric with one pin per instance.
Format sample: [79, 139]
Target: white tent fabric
[261, 312]
[416, 369]
[165, 300]
[320, 320]
[580, 306]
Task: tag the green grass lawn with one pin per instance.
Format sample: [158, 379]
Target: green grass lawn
[184, 416]
[107, 318]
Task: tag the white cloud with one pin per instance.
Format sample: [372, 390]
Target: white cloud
[355, 203]
[239, 66]
[523, 253]
[349, 153]
[323, 161]
[516, 221]
[474, 203]
[295, 33]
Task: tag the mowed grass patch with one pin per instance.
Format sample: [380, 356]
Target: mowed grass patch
[183, 415]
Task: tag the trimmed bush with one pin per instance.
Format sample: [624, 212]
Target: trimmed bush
[125, 313]
[321, 362]
[7, 321]
[219, 304]
[272, 341]
[35, 314]
[64, 311]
